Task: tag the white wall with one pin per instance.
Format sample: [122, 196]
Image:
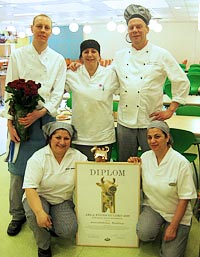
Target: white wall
[181, 39]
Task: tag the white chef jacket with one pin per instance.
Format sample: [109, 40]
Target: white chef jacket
[166, 183]
[92, 104]
[53, 181]
[142, 74]
[47, 68]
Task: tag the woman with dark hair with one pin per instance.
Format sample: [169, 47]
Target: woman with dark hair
[49, 186]
[168, 187]
[92, 88]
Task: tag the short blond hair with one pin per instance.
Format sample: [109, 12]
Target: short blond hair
[42, 15]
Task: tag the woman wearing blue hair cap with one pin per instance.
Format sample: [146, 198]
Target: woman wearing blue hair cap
[49, 186]
[168, 187]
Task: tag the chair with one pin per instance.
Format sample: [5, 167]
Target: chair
[69, 101]
[114, 154]
[182, 141]
[195, 65]
[193, 110]
[194, 79]
[167, 88]
[183, 66]
[193, 70]
[115, 106]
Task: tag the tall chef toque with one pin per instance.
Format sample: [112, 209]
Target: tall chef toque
[137, 11]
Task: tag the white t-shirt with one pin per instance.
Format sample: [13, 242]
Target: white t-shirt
[92, 104]
[53, 181]
[166, 183]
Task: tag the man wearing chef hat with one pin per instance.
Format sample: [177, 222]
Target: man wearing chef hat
[142, 69]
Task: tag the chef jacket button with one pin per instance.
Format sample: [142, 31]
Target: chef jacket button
[126, 77]
[138, 92]
[141, 77]
[137, 105]
[127, 64]
[125, 91]
[144, 63]
[126, 105]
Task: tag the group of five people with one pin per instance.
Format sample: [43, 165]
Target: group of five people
[44, 165]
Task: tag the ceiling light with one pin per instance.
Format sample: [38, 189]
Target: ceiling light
[87, 29]
[111, 26]
[11, 28]
[56, 30]
[155, 26]
[21, 34]
[73, 27]
[121, 28]
[29, 32]
[158, 27]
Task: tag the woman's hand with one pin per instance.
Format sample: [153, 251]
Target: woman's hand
[135, 160]
[43, 220]
[32, 117]
[170, 233]
[13, 133]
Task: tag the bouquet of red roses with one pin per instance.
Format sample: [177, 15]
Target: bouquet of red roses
[23, 100]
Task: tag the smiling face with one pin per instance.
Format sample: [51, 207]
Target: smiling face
[90, 56]
[137, 31]
[60, 142]
[41, 29]
[157, 140]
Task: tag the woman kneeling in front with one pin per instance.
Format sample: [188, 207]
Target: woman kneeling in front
[168, 187]
[49, 186]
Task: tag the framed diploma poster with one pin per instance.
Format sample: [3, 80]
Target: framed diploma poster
[107, 203]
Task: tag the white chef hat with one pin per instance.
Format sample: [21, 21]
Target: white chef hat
[137, 11]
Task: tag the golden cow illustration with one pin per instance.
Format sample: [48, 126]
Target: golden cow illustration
[108, 194]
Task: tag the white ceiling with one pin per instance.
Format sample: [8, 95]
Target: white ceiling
[21, 12]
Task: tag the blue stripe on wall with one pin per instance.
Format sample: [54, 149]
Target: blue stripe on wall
[67, 43]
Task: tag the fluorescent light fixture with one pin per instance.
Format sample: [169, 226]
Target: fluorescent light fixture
[64, 8]
[148, 4]
[25, 14]
[177, 7]
[25, 1]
